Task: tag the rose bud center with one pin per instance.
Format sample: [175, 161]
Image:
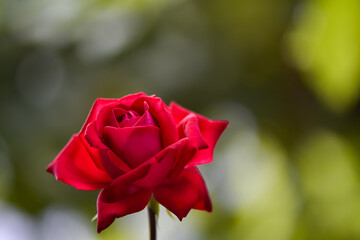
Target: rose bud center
[137, 137]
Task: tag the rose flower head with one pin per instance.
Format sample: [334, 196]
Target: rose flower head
[137, 147]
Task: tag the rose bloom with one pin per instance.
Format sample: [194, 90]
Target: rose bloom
[136, 147]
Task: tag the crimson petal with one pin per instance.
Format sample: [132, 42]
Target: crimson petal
[145, 120]
[184, 157]
[128, 100]
[118, 201]
[190, 125]
[99, 103]
[93, 138]
[134, 145]
[154, 171]
[75, 166]
[162, 115]
[112, 163]
[178, 112]
[210, 130]
[95, 109]
[185, 192]
[159, 168]
[106, 117]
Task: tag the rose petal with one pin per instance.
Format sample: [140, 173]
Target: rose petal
[121, 164]
[95, 109]
[210, 130]
[178, 112]
[129, 100]
[154, 171]
[129, 122]
[189, 127]
[111, 168]
[93, 138]
[159, 168]
[132, 176]
[185, 155]
[125, 118]
[118, 201]
[185, 192]
[160, 112]
[111, 163]
[134, 145]
[106, 117]
[118, 112]
[146, 120]
[75, 166]
[99, 103]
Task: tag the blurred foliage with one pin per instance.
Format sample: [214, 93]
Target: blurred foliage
[285, 73]
[329, 178]
[325, 45]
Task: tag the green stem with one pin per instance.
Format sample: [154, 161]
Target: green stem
[153, 212]
[152, 223]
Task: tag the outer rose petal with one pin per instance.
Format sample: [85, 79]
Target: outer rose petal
[154, 171]
[210, 130]
[184, 157]
[178, 112]
[159, 168]
[118, 201]
[190, 128]
[75, 166]
[185, 192]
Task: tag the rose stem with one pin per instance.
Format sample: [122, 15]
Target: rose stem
[152, 224]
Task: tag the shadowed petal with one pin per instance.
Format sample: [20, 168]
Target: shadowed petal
[153, 172]
[185, 192]
[145, 120]
[112, 163]
[118, 201]
[110, 166]
[159, 168]
[184, 156]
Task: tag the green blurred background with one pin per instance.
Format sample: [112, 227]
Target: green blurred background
[285, 73]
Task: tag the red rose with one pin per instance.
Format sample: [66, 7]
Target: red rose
[135, 147]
